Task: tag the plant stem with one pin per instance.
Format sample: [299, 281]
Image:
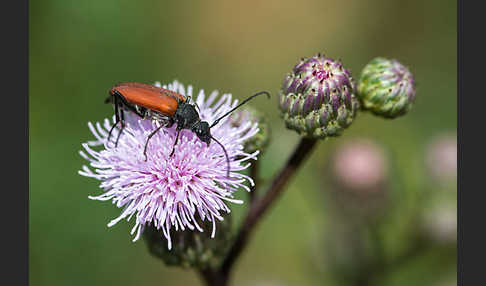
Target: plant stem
[213, 277]
[220, 276]
[258, 208]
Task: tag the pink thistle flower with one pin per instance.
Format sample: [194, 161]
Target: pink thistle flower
[171, 192]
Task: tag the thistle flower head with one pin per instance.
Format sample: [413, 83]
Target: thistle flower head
[170, 192]
[386, 88]
[317, 97]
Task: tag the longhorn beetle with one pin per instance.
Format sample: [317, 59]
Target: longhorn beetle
[167, 107]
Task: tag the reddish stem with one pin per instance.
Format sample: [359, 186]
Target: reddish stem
[220, 276]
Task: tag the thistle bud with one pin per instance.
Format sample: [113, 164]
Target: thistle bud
[317, 98]
[386, 88]
[191, 248]
[260, 140]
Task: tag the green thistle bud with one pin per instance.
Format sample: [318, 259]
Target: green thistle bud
[262, 138]
[317, 98]
[191, 248]
[386, 88]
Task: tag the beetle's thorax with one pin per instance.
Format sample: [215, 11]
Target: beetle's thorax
[186, 116]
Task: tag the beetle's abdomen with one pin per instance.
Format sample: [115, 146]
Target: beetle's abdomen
[150, 97]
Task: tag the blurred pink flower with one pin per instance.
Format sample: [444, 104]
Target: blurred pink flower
[360, 166]
[441, 157]
[170, 192]
[439, 222]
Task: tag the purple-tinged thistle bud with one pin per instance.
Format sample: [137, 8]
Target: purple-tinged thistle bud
[260, 140]
[191, 248]
[317, 98]
[386, 88]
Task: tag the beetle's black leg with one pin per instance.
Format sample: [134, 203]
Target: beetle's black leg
[119, 102]
[175, 143]
[148, 138]
[122, 120]
[170, 122]
[117, 119]
[197, 107]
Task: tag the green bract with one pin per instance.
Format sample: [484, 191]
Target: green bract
[191, 248]
[317, 98]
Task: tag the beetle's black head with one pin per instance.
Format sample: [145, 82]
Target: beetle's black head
[202, 131]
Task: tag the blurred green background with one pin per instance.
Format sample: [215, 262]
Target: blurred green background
[79, 49]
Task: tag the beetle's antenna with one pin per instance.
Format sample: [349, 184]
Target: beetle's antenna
[243, 102]
[226, 154]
